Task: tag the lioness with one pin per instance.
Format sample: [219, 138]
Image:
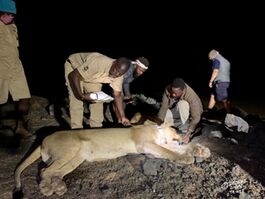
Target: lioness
[64, 151]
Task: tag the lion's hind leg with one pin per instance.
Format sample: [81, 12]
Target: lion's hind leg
[58, 185]
[51, 177]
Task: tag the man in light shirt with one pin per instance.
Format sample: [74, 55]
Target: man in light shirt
[85, 73]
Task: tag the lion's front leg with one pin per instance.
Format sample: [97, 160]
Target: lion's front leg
[185, 159]
[161, 152]
[201, 151]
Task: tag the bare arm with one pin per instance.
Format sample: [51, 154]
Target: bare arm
[118, 99]
[74, 79]
[213, 77]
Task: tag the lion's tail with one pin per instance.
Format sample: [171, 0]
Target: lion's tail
[29, 160]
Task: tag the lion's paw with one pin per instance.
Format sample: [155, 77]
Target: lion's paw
[46, 188]
[201, 151]
[58, 185]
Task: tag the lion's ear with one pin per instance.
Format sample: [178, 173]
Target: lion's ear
[149, 122]
[136, 118]
[165, 124]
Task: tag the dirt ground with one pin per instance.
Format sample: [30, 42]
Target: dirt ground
[234, 170]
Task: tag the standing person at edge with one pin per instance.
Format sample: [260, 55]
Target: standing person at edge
[12, 77]
[181, 107]
[219, 81]
[85, 73]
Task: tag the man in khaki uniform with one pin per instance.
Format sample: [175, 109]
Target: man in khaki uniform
[85, 73]
[12, 77]
[182, 106]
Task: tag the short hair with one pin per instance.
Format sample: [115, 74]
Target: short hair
[212, 54]
[178, 83]
[123, 63]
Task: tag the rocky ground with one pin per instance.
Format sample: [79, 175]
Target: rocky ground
[236, 168]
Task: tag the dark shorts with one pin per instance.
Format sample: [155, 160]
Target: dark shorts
[221, 91]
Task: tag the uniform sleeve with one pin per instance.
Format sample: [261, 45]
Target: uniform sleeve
[117, 84]
[86, 71]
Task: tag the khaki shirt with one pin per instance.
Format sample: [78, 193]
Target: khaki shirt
[10, 64]
[188, 95]
[94, 68]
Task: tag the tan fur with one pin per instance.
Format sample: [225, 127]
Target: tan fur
[66, 150]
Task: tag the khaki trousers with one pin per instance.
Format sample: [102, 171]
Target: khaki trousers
[179, 115]
[76, 107]
[18, 88]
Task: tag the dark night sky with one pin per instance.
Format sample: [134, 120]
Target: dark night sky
[174, 38]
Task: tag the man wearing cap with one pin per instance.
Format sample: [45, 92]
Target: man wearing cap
[182, 107]
[85, 73]
[12, 77]
[219, 81]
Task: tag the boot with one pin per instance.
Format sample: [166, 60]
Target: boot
[22, 129]
[22, 118]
